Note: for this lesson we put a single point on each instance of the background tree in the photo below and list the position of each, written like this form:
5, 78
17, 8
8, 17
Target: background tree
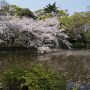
3, 4
51, 8
77, 26
50, 11
26, 12
88, 8
4, 7
15, 10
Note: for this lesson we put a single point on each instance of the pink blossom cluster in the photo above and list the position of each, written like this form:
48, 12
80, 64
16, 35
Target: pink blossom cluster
43, 35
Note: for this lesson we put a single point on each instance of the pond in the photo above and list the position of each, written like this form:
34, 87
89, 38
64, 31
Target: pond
74, 65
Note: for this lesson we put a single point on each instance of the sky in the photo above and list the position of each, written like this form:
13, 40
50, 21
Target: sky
71, 5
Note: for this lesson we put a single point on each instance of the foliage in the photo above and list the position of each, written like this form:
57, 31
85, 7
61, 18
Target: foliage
3, 4
4, 7
25, 12
39, 12
62, 13
14, 10
51, 8
50, 11
36, 78
76, 26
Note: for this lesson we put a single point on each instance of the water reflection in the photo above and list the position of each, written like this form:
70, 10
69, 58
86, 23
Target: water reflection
74, 65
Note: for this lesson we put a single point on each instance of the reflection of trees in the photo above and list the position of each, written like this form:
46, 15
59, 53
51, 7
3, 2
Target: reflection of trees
74, 67
71, 67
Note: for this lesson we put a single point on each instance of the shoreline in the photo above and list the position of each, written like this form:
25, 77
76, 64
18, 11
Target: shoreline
53, 52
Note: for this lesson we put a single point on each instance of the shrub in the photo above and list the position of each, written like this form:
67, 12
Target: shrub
36, 78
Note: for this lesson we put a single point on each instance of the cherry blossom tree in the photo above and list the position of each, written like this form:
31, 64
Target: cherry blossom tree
43, 35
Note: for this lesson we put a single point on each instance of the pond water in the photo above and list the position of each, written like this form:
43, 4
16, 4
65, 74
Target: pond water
74, 65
